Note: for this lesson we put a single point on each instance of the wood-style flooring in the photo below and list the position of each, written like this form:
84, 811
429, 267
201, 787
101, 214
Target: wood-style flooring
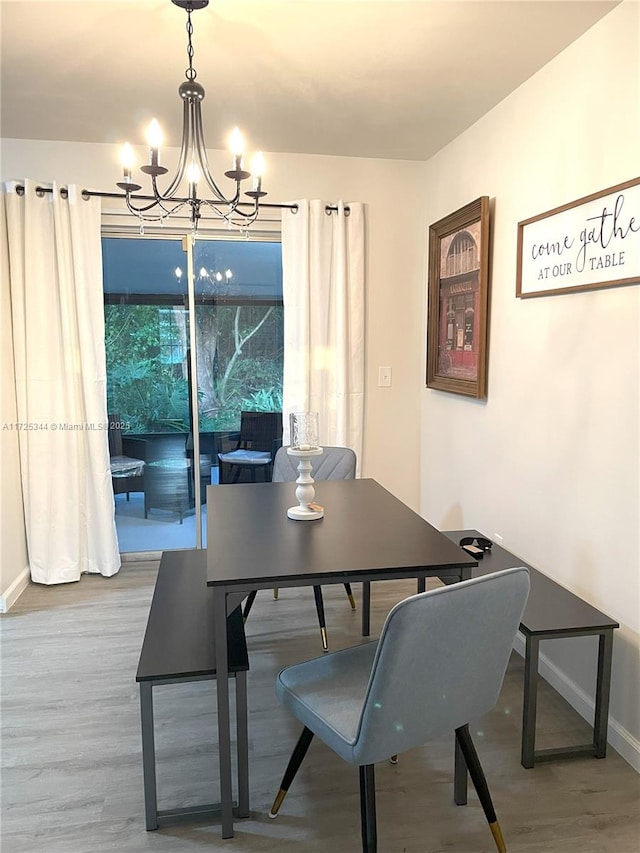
71, 754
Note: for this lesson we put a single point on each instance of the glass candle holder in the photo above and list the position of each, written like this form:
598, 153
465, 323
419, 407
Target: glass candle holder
303, 430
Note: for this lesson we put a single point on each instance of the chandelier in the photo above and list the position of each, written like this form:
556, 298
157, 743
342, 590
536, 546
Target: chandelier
192, 162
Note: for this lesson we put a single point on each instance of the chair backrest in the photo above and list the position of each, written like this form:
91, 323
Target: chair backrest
115, 436
440, 662
259, 430
336, 463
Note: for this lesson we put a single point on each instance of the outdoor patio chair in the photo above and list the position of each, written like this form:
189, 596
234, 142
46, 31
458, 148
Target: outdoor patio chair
254, 449
126, 458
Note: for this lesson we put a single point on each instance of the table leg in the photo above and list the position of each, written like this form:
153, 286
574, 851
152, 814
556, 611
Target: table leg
422, 585
530, 699
222, 691
148, 755
366, 608
243, 744
603, 686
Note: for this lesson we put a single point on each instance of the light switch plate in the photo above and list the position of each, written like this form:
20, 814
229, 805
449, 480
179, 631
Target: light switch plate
384, 377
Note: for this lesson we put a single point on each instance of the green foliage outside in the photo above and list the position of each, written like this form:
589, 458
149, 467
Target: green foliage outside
240, 354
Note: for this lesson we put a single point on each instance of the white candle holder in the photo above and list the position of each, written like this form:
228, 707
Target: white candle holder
306, 510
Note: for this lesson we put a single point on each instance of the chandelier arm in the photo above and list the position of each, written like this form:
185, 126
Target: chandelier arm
201, 152
187, 134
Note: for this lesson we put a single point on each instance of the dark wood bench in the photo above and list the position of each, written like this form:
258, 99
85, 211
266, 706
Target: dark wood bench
178, 647
552, 612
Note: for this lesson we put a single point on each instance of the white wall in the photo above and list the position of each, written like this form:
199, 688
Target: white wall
395, 276
551, 461
14, 571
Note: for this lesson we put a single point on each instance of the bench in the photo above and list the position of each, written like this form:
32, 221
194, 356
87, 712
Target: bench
179, 647
552, 612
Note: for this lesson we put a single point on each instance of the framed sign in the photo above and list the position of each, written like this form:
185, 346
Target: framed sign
458, 301
590, 243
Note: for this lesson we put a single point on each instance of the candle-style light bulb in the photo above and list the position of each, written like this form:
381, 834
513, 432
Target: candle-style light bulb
178, 273
228, 274
193, 176
203, 272
154, 134
154, 141
127, 159
218, 276
236, 144
257, 170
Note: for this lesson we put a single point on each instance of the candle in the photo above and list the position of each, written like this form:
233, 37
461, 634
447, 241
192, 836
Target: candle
236, 144
154, 141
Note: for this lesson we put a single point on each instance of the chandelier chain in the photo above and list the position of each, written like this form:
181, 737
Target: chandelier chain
190, 73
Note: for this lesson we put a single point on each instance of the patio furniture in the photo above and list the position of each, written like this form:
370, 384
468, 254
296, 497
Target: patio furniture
254, 447
127, 457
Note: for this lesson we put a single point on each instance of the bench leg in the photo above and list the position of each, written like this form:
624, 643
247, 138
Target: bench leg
603, 687
530, 698
242, 740
148, 755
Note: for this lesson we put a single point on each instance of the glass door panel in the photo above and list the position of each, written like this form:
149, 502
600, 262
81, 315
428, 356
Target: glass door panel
147, 335
239, 338
236, 300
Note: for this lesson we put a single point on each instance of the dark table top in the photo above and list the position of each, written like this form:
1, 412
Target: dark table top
179, 640
365, 531
550, 608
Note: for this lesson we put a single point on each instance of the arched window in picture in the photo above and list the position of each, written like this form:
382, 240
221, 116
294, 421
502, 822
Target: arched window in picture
463, 254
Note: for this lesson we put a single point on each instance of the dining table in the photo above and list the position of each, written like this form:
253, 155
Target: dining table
365, 535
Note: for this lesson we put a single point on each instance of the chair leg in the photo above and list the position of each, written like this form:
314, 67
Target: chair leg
297, 757
249, 604
463, 737
368, 809
317, 592
349, 592
275, 593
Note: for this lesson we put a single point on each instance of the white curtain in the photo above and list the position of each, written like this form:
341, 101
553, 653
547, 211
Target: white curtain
55, 279
323, 279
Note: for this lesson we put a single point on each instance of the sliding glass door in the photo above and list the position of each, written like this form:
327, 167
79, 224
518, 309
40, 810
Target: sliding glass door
224, 327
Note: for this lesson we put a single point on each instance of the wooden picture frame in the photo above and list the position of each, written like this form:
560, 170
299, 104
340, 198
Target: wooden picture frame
587, 244
457, 323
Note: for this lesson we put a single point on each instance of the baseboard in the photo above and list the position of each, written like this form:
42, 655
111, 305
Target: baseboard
9, 598
618, 737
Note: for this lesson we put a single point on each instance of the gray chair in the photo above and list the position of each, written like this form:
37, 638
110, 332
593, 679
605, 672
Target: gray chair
439, 664
335, 463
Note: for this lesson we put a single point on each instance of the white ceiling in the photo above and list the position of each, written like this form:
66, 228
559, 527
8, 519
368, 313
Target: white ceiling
368, 78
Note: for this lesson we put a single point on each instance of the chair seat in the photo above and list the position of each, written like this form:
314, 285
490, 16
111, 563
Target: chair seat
246, 457
125, 466
327, 694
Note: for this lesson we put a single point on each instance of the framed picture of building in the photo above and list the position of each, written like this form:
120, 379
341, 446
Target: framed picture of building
457, 325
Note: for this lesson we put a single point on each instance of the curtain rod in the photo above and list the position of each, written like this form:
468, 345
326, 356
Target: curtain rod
86, 194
